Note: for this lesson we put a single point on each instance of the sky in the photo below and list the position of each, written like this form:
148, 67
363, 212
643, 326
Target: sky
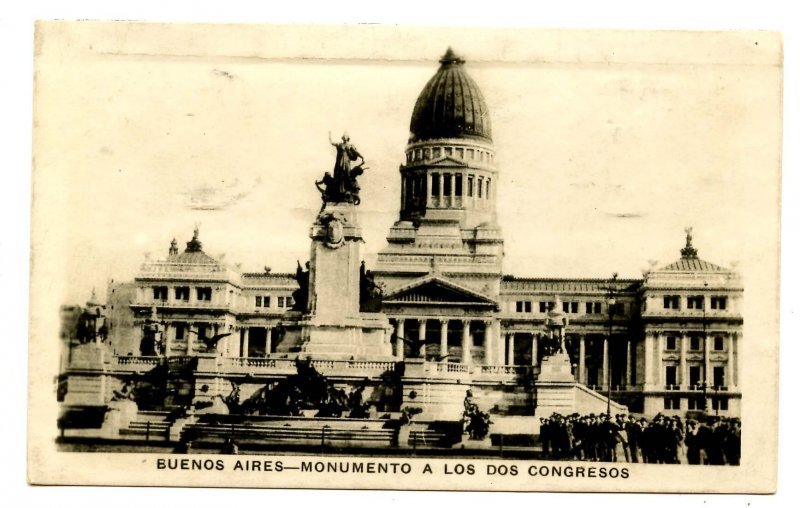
608, 144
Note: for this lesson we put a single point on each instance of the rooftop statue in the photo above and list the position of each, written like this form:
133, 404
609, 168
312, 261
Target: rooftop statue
342, 187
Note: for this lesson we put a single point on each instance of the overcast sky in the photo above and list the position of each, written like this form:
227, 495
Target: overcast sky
608, 144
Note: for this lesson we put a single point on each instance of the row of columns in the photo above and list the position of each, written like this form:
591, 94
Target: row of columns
509, 356
466, 339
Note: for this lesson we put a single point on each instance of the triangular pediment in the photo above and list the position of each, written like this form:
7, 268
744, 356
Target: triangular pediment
448, 162
435, 290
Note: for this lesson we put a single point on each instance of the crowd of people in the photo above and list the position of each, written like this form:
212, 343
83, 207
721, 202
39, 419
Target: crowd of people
624, 438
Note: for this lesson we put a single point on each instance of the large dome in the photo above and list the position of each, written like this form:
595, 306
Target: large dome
451, 105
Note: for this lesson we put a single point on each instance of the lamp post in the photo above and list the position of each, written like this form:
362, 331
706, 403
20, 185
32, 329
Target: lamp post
612, 301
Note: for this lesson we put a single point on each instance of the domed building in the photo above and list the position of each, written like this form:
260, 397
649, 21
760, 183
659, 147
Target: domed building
664, 343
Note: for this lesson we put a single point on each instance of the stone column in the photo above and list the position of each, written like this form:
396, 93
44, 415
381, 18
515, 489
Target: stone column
582, 359
443, 340
707, 363
191, 331
534, 348
628, 358
510, 349
440, 177
268, 345
731, 362
488, 335
466, 344
606, 378
246, 343
422, 334
166, 342
428, 191
684, 365
660, 366
399, 345
648, 359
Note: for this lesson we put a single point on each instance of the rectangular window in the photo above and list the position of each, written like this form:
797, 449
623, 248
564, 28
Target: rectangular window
180, 331
694, 375
289, 302
618, 309
671, 375
266, 301
542, 307
160, 293
447, 184
459, 183
480, 187
694, 302
435, 184
573, 307
426, 153
719, 343
694, 343
672, 343
280, 301
437, 152
203, 294
448, 150
719, 403
672, 302
528, 307
182, 293
719, 376
672, 402
258, 301
565, 306
488, 187
470, 185
460, 153
519, 306
695, 403
719, 302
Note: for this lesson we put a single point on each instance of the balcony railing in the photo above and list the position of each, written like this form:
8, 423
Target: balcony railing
672, 387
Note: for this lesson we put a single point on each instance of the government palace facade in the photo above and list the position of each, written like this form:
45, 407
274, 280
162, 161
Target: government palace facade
667, 342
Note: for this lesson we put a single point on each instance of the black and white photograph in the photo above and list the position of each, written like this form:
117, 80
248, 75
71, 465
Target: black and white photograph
406, 258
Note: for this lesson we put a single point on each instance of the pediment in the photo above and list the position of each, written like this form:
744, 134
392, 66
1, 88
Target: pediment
434, 290
448, 162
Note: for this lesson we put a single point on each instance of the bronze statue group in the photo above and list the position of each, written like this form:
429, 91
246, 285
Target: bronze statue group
661, 440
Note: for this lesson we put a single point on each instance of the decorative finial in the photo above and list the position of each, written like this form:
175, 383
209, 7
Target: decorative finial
450, 57
173, 247
689, 251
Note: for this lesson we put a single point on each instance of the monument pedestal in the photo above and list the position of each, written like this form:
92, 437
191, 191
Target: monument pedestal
555, 388
332, 326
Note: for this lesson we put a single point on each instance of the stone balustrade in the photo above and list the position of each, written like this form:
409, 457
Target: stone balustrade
134, 363
287, 366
